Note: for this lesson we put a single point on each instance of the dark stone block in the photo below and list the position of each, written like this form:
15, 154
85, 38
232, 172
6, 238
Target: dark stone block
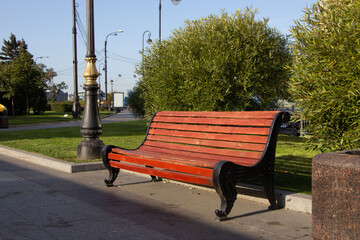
336, 195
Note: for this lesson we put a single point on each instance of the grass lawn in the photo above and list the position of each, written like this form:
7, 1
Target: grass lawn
293, 164
48, 116
292, 169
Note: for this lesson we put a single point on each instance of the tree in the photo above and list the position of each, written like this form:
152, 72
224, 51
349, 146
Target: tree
326, 73
19, 76
24, 81
136, 102
225, 62
12, 48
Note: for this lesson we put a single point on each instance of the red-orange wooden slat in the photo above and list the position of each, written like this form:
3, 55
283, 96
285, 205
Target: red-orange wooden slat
165, 174
163, 164
215, 129
179, 157
210, 136
254, 114
224, 152
200, 159
209, 143
215, 121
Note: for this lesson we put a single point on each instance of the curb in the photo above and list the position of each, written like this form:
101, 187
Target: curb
51, 162
288, 200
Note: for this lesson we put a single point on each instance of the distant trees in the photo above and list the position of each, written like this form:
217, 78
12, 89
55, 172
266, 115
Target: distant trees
22, 81
326, 73
136, 102
225, 62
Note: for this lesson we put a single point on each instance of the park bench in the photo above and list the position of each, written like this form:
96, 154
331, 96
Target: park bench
215, 149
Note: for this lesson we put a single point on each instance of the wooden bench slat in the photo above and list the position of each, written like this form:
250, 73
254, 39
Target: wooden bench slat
213, 129
210, 136
165, 174
252, 115
215, 151
206, 172
208, 143
182, 157
215, 121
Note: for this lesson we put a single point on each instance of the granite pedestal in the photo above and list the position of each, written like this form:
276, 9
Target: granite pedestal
336, 195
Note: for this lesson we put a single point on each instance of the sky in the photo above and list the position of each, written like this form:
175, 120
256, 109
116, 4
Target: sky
46, 26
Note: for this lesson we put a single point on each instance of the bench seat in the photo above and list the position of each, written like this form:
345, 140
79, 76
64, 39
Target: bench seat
215, 149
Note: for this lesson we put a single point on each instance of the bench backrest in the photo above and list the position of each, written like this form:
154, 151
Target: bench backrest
240, 137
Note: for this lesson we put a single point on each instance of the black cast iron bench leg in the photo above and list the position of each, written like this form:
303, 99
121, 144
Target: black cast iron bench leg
224, 178
113, 172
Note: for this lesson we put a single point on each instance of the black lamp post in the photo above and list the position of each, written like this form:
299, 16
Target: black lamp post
90, 147
99, 97
110, 34
112, 94
175, 2
148, 41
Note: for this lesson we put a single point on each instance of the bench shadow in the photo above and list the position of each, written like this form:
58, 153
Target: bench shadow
248, 214
132, 183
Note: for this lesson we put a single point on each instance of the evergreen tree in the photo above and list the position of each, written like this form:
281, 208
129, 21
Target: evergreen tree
11, 48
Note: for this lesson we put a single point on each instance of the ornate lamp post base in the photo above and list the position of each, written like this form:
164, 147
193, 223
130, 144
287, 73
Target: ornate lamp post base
90, 147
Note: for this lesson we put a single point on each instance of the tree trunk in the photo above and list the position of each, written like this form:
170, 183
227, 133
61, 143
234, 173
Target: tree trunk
13, 107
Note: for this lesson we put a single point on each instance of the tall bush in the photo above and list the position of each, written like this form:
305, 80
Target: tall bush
325, 72
227, 62
61, 107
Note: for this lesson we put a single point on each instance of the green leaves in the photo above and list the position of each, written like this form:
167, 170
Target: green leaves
325, 73
225, 62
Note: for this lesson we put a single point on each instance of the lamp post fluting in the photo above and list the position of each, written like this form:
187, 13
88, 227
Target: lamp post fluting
90, 147
110, 34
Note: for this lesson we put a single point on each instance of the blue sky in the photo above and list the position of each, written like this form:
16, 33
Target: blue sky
46, 26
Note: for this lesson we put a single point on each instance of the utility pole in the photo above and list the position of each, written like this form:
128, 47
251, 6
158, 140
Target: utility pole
76, 109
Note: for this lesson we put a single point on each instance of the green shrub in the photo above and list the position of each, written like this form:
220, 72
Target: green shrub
325, 81
61, 107
225, 62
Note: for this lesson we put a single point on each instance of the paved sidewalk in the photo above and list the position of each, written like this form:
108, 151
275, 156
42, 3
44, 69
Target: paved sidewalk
41, 203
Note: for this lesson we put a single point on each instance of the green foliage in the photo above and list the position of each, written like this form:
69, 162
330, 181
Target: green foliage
11, 48
61, 107
225, 62
326, 70
136, 102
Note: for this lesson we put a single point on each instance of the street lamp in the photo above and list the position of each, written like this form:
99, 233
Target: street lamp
112, 93
175, 2
41, 58
110, 34
90, 147
148, 41
99, 80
